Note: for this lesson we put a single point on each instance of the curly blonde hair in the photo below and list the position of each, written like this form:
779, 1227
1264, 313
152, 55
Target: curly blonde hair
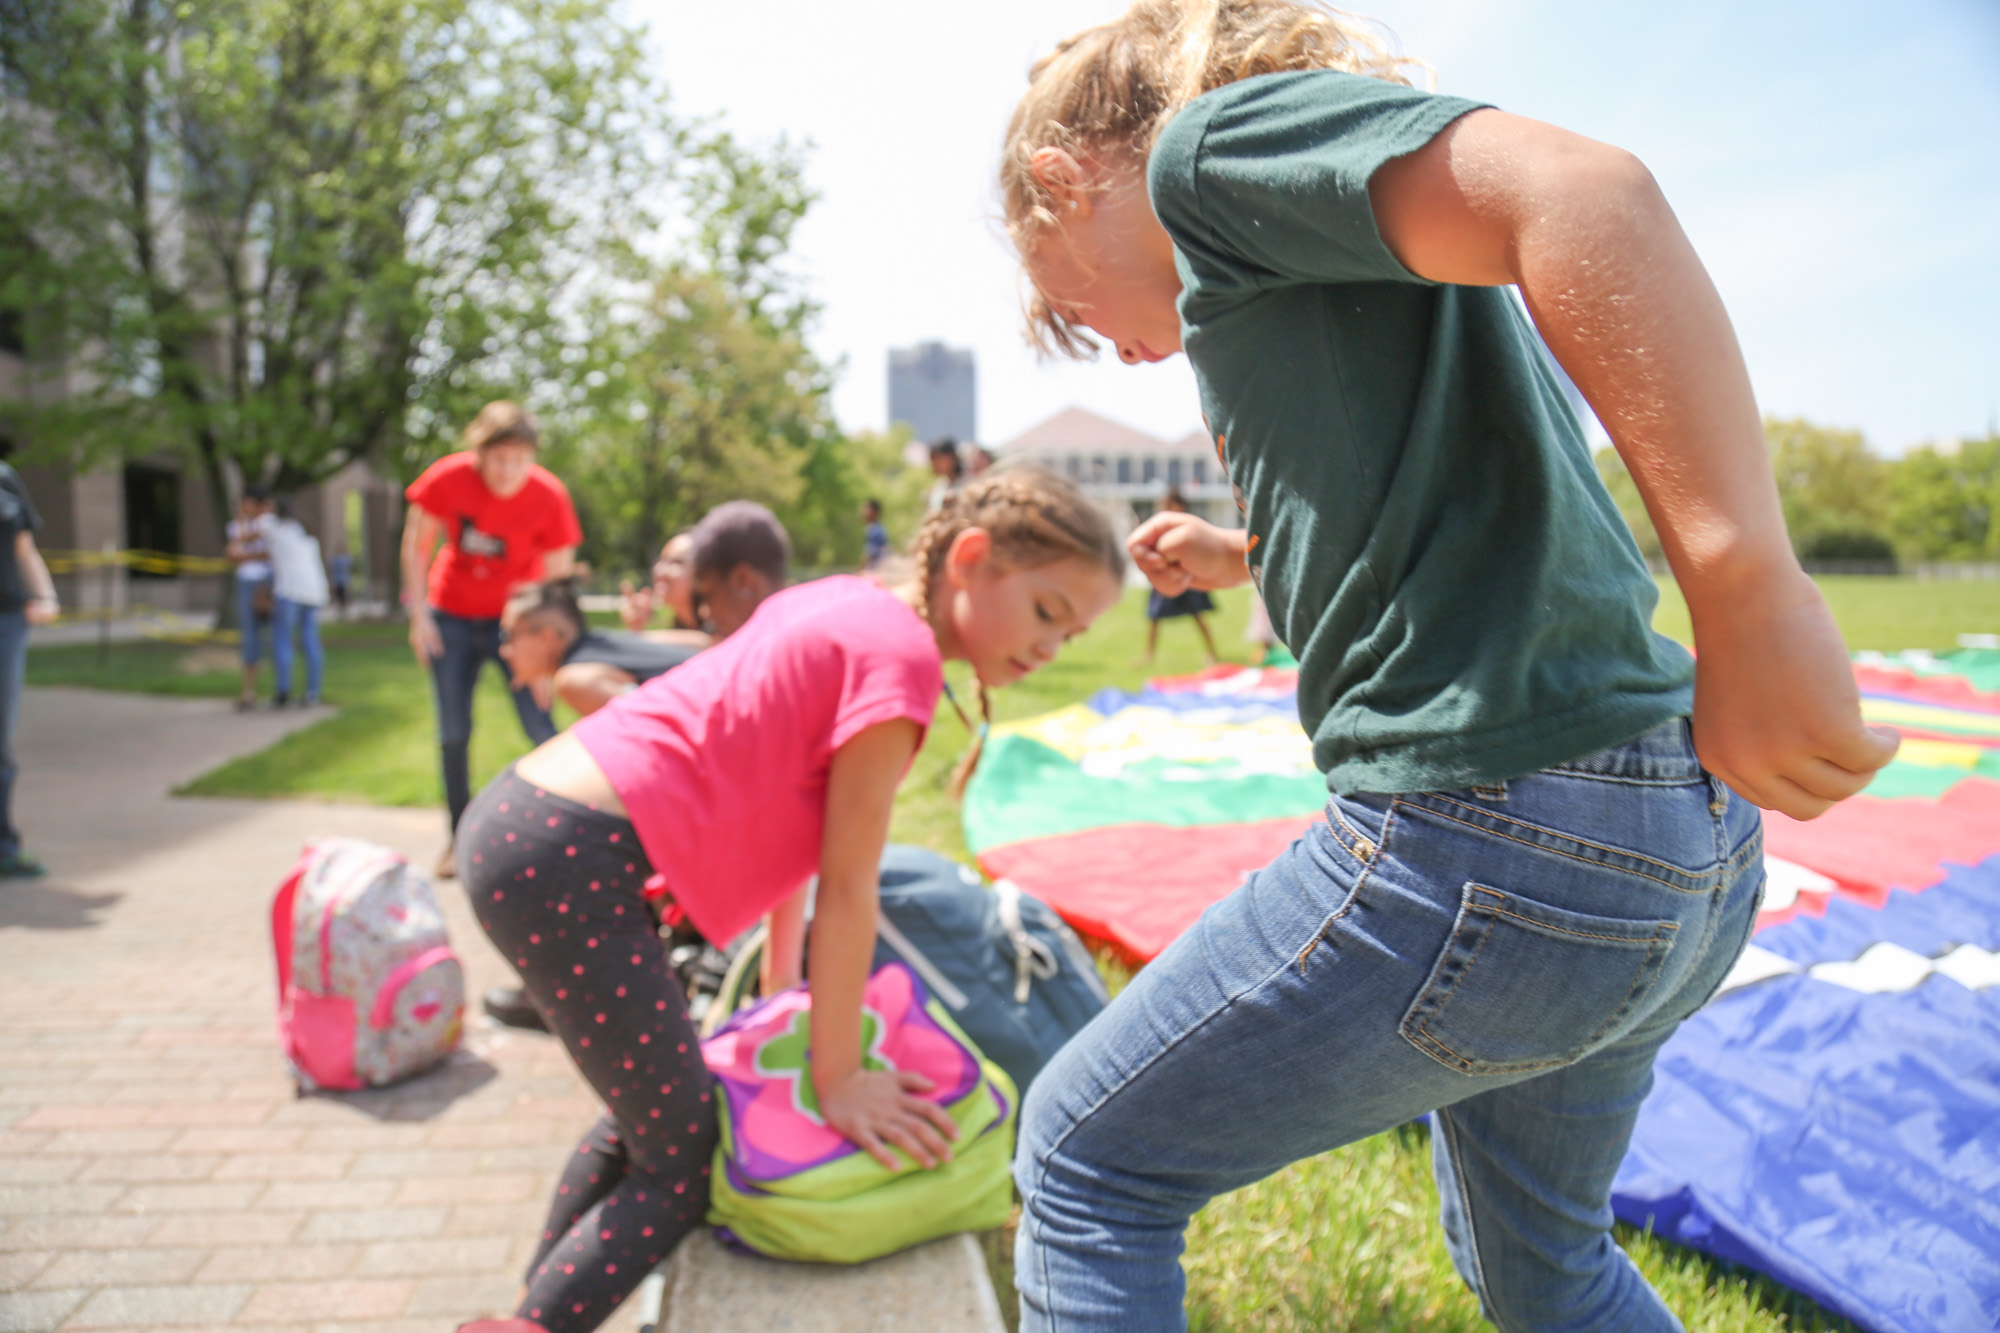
1108, 91
1033, 517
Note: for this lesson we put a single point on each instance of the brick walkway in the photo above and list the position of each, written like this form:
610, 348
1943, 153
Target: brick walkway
156, 1169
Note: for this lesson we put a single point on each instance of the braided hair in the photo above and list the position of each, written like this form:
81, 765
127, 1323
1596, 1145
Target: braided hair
1033, 517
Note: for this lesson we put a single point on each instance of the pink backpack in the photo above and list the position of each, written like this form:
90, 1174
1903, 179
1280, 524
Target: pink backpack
369, 990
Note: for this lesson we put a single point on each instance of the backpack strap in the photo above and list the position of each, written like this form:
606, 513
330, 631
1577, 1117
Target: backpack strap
384, 1008
281, 920
1033, 958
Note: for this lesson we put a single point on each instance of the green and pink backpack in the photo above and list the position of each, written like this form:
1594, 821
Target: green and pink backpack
788, 1185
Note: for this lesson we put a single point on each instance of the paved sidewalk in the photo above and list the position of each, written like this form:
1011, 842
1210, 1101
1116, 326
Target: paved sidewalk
156, 1170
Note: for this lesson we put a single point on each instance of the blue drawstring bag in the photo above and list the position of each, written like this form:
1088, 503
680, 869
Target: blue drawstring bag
1011, 973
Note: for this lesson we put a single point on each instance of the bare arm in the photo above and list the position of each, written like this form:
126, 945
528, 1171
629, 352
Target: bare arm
559, 563
588, 686
687, 638
42, 604
785, 947
874, 1109
422, 530
1626, 306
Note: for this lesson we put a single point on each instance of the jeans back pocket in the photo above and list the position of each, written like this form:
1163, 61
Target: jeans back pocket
1522, 986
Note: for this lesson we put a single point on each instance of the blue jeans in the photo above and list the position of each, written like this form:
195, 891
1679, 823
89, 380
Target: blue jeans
246, 616
468, 646
13, 670
301, 620
1510, 957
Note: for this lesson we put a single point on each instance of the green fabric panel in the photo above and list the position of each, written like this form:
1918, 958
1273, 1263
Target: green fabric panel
1906, 779
1981, 666
1023, 789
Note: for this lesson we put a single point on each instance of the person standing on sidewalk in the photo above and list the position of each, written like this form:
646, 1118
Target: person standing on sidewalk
298, 576
27, 597
255, 602
503, 520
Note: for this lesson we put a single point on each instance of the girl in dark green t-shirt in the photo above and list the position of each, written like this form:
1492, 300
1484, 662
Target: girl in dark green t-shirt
1542, 850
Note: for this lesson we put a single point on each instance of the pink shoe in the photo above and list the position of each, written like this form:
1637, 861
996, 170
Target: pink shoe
502, 1326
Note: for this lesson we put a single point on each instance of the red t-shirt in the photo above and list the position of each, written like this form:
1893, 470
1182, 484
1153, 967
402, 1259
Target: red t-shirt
492, 546
722, 763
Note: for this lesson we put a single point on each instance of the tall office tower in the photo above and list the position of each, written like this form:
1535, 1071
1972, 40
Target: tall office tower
934, 389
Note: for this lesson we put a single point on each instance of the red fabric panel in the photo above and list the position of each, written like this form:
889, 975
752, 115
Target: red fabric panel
1138, 886
1951, 691
1870, 844
1268, 678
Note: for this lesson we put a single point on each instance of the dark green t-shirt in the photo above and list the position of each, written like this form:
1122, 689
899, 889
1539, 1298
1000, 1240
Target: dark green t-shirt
1427, 526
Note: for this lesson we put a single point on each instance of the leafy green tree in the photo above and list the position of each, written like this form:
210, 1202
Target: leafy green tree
1942, 504
283, 235
692, 383
1832, 487
1625, 494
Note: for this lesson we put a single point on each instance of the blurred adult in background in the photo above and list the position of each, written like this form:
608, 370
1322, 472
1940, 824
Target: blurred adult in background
298, 581
977, 460
340, 568
672, 589
255, 601
949, 471
482, 522
27, 597
874, 537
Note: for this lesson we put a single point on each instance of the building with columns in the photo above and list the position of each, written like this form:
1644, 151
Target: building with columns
1127, 470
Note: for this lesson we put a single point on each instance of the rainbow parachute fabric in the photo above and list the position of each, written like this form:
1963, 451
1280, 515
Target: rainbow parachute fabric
1831, 1118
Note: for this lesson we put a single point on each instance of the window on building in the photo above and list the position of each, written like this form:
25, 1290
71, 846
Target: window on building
1124, 472
1151, 471
152, 509
1200, 467
1100, 468
1173, 472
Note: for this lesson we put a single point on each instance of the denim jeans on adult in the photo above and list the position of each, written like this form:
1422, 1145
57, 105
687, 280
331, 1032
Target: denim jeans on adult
468, 646
13, 668
246, 617
297, 620
1510, 957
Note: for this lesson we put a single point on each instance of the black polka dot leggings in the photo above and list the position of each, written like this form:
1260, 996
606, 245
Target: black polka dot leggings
556, 886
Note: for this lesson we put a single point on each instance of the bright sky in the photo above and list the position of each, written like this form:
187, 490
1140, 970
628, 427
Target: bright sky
1837, 165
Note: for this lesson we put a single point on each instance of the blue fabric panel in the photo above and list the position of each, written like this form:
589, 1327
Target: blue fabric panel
1846, 1144
1228, 708
1963, 908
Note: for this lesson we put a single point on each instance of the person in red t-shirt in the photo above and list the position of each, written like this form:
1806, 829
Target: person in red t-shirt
503, 521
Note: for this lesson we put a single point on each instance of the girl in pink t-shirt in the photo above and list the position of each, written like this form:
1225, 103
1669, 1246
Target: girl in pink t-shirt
713, 794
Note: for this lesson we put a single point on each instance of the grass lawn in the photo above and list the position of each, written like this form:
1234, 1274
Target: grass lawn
1348, 1240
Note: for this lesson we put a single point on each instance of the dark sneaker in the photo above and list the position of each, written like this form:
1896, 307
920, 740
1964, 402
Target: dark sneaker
511, 1005
20, 865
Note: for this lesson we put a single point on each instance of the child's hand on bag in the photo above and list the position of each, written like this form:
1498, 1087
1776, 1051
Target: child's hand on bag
1777, 715
875, 1109
1177, 551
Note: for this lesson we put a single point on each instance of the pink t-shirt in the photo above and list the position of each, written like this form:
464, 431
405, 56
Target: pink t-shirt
722, 762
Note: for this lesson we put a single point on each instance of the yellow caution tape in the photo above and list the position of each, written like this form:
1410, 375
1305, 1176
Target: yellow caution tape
158, 563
